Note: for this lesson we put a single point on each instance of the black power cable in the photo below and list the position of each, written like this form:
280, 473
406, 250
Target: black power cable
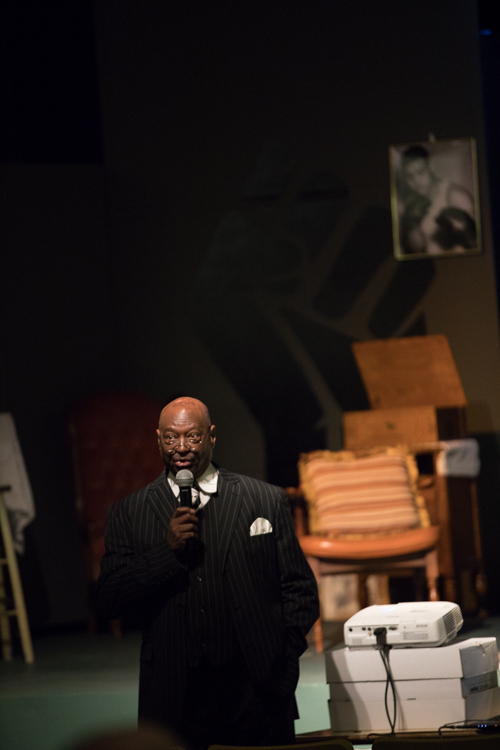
384, 649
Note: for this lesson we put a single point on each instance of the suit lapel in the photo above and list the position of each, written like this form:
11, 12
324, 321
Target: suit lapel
228, 507
162, 501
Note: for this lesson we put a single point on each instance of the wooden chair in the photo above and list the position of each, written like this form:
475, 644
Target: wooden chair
384, 530
115, 452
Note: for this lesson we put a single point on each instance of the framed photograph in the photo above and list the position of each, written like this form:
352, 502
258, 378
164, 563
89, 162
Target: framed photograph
435, 199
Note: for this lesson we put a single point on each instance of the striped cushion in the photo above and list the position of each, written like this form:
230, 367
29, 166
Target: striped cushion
361, 493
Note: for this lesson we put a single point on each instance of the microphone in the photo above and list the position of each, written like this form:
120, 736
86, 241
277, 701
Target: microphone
185, 480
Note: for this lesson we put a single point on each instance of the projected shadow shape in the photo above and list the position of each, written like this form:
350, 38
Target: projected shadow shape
404, 291
271, 174
366, 247
242, 254
265, 375
317, 208
332, 354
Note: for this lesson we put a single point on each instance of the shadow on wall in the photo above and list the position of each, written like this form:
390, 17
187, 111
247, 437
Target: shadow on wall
276, 284
488, 484
35, 589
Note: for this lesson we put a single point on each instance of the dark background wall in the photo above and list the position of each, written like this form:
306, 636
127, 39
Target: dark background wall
224, 229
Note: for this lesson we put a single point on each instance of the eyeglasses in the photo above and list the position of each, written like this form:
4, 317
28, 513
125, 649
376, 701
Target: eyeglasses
194, 438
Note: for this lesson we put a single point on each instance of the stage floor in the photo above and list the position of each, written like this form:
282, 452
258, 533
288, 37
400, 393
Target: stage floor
80, 684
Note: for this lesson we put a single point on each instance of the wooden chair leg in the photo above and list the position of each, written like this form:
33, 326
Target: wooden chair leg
419, 584
363, 592
317, 629
318, 636
432, 574
17, 589
450, 589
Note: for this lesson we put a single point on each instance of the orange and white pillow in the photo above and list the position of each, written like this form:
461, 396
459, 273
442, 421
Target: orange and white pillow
361, 493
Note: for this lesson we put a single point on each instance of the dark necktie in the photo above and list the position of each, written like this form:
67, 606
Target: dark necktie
195, 503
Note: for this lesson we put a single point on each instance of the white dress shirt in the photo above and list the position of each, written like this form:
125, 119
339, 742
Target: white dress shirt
207, 484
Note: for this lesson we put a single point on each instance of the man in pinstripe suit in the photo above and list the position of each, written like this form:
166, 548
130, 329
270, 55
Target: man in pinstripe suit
225, 593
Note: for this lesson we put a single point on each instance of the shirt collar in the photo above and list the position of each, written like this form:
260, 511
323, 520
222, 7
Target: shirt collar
207, 482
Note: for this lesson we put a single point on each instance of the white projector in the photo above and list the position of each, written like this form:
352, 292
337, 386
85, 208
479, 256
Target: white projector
407, 624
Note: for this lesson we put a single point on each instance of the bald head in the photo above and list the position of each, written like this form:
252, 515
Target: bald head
186, 436
189, 405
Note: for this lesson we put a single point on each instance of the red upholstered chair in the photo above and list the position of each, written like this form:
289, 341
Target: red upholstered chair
361, 512
115, 452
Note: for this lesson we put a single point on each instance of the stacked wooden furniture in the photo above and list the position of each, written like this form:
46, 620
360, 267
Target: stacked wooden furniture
417, 400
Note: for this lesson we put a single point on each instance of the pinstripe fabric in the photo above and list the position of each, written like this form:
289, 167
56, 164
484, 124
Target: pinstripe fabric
267, 584
208, 613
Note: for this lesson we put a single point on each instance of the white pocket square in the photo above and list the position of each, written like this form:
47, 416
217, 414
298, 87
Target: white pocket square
260, 526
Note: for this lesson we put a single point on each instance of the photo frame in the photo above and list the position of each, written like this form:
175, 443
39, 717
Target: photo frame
435, 199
